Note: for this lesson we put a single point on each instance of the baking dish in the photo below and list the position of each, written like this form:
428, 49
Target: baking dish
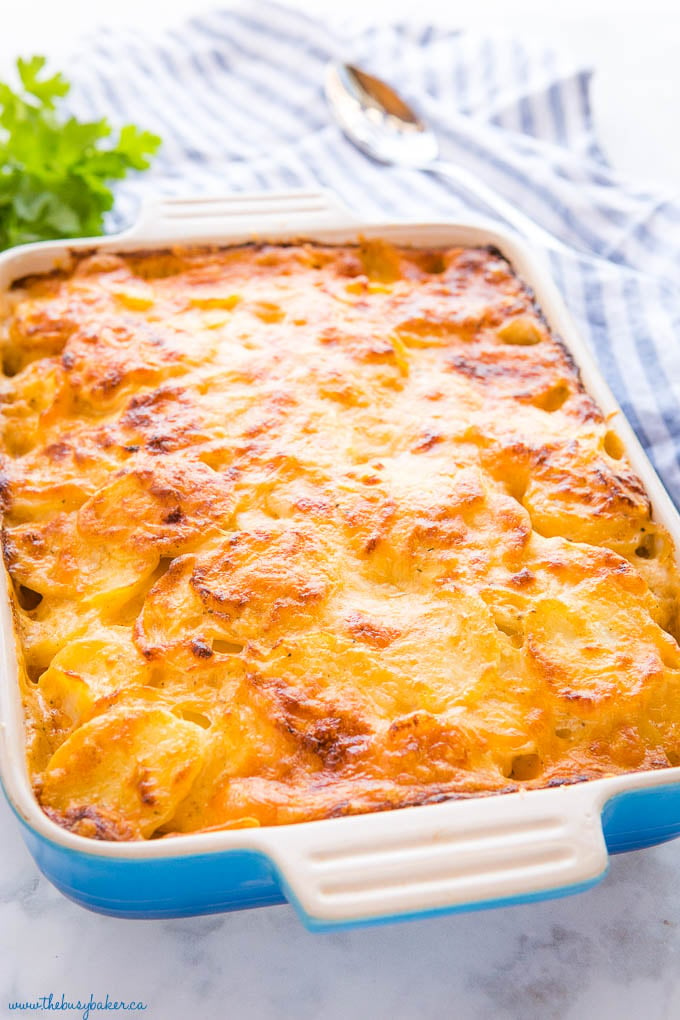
454, 855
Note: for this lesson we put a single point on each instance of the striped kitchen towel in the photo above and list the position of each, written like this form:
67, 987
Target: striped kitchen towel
237, 97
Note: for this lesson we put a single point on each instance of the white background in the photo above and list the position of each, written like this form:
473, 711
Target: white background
612, 953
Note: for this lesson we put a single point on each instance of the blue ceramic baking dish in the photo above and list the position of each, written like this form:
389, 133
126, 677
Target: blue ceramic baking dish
457, 855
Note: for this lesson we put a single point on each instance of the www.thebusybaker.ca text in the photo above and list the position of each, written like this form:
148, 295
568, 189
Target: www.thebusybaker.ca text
47, 1003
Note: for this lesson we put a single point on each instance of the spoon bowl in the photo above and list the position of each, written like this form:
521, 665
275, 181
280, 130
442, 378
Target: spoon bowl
376, 119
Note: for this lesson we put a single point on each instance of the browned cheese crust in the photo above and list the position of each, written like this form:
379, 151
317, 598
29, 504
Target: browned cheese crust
296, 532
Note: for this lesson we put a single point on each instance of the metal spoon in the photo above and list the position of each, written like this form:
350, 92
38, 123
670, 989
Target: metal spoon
378, 121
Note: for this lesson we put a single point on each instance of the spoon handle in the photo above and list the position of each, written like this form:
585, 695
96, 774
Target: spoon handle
510, 213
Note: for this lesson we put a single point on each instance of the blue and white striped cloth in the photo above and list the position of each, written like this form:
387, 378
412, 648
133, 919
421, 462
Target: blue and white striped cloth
237, 97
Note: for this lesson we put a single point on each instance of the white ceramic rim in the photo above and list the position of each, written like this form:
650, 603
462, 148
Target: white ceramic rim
422, 858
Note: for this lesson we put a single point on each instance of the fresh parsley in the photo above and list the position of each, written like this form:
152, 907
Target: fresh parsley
55, 170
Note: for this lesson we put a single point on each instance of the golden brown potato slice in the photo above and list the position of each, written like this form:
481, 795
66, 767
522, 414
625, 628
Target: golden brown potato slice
134, 763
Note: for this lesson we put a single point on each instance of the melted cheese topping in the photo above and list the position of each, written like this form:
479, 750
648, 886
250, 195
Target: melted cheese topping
296, 532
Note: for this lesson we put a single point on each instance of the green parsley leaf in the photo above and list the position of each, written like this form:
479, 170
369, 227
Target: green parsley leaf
55, 171
47, 90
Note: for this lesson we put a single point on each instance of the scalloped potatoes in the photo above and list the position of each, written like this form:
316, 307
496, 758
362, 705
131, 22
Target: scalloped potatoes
300, 531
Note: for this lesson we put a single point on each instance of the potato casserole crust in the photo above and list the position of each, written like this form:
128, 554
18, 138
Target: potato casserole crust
298, 531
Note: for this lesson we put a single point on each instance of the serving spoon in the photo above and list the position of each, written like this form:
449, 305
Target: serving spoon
378, 121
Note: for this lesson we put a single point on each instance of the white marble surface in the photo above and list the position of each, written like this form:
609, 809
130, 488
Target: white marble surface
613, 952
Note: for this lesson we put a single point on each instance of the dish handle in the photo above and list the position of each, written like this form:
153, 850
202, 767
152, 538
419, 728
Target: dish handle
202, 218
532, 845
